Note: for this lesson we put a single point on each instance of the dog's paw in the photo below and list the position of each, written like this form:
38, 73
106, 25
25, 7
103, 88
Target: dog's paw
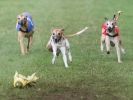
66, 66
53, 61
108, 52
119, 62
22, 54
123, 51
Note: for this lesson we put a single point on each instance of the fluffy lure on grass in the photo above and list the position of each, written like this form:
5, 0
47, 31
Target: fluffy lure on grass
21, 81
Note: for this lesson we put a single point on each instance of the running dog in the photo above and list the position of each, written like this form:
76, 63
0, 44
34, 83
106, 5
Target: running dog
58, 42
25, 28
111, 36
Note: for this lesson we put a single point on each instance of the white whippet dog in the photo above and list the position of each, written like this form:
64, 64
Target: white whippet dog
59, 43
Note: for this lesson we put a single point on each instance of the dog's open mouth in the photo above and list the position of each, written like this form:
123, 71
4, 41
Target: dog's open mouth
110, 29
22, 22
56, 40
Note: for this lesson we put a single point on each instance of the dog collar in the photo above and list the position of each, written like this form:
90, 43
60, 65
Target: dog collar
113, 35
20, 29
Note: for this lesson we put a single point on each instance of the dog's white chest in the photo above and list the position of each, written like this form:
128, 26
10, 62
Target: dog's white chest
61, 43
112, 33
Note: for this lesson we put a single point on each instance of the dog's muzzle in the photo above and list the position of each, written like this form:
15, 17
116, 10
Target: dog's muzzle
56, 40
110, 29
22, 22
19, 22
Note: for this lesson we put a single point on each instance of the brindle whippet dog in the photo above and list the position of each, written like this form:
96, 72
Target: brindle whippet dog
25, 28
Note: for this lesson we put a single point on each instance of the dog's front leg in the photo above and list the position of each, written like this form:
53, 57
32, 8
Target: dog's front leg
27, 50
121, 47
68, 51
117, 45
21, 41
102, 42
63, 51
30, 41
107, 42
69, 55
54, 53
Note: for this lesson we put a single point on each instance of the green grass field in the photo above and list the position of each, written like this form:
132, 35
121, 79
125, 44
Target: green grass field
91, 76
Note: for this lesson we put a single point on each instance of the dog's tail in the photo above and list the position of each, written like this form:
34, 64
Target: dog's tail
78, 33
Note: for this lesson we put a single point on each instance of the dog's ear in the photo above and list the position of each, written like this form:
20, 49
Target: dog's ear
106, 18
62, 31
114, 17
16, 74
18, 17
51, 30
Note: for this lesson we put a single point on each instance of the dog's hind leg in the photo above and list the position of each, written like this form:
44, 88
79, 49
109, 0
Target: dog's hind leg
63, 51
122, 50
69, 56
117, 45
68, 51
121, 47
58, 52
